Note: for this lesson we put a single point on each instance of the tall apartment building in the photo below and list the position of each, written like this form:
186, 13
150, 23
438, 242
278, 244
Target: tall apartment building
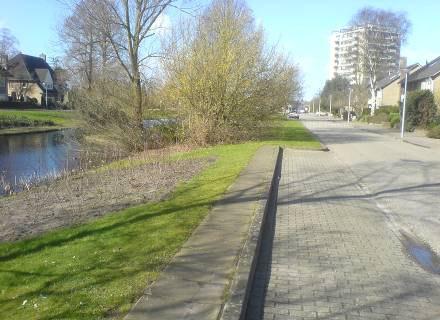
348, 45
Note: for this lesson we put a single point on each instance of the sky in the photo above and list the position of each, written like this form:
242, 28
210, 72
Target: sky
300, 28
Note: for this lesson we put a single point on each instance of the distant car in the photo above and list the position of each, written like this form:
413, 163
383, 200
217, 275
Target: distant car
322, 114
301, 111
293, 115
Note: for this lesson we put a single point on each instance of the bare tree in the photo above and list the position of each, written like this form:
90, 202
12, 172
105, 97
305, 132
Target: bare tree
360, 97
397, 21
8, 43
383, 32
129, 26
80, 39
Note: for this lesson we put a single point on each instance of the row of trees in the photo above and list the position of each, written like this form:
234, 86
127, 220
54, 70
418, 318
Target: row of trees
338, 91
214, 69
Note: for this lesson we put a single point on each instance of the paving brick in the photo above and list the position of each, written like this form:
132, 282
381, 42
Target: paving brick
332, 253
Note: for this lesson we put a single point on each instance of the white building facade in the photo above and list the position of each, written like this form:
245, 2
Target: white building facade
347, 47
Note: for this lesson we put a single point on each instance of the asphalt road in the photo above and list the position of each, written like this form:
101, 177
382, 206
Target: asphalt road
402, 178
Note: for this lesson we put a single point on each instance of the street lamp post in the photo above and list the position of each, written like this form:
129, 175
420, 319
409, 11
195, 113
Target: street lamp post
349, 105
402, 127
45, 87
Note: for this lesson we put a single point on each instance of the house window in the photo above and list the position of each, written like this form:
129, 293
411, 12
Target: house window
427, 85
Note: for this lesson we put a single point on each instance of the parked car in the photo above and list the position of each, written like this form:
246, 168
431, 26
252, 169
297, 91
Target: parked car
293, 115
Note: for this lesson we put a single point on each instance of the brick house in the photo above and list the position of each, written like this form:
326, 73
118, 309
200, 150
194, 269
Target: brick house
388, 89
426, 78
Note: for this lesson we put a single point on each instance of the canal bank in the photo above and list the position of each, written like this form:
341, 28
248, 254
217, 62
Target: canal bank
18, 121
80, 196
26, 130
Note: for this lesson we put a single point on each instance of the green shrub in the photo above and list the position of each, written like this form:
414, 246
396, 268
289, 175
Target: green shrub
388, 109
435, 121
378, 118
366, 112
163, 135
421, 109
364, 118
394, 119
434, 132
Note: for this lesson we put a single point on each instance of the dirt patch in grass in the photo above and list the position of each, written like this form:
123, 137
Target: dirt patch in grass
83, 196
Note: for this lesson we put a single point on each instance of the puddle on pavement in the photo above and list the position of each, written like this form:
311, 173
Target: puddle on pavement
421, 253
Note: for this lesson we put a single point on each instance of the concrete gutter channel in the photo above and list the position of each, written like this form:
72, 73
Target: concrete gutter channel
211, 276
235, 306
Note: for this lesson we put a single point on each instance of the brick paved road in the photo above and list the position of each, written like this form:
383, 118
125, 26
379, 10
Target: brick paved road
333, 254
404, 179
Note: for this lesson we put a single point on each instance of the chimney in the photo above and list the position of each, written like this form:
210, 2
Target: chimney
43, 56
402, 63
402, 66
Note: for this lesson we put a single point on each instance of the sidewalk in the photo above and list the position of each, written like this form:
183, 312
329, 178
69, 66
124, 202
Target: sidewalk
333, 254
196, 283
417, 138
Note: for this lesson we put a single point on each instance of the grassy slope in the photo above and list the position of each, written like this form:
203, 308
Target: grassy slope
100, 268
62, 119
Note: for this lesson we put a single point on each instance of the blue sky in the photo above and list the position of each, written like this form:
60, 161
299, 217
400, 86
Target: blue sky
301, 28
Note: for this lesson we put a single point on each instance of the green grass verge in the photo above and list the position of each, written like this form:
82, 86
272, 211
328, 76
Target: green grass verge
99, 269
60, 119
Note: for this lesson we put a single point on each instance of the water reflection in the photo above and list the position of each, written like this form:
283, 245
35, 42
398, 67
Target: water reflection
37, 155
421, 253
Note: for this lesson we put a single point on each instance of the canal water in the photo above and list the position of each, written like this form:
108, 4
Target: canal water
35, 156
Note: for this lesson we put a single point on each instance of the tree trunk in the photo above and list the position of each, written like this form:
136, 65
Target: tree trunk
138, 114
138, 102
373, 105
90, 67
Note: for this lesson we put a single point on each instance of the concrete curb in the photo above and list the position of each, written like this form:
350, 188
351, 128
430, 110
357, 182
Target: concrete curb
211, 266
236, 304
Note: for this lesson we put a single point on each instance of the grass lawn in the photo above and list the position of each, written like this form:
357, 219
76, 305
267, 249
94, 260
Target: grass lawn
58, 118
99, 269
